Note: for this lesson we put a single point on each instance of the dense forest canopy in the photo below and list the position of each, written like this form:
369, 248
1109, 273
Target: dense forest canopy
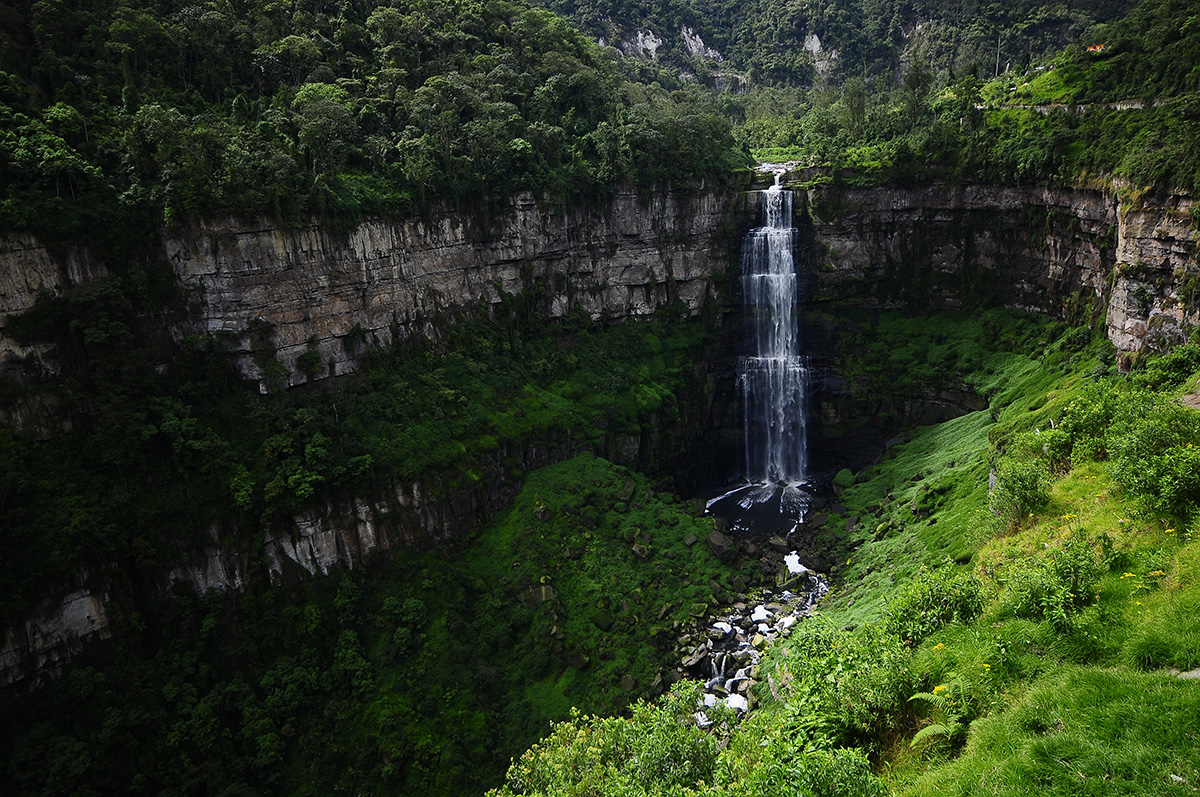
320, 109
768, 41
117, 116
1126, 108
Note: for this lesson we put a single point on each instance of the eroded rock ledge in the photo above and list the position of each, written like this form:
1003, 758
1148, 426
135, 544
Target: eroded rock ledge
1109, 253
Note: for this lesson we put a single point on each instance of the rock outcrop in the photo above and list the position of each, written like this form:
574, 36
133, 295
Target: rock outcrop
1105, 254
274, 295
311, 290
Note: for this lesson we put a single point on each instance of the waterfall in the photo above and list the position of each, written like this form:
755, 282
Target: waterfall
773, 378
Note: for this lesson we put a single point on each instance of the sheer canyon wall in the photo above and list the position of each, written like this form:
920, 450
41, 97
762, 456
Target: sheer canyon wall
1106, 255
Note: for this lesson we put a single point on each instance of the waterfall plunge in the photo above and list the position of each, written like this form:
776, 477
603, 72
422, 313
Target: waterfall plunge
774, 378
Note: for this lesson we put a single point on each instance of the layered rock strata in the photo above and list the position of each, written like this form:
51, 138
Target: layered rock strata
1108, 254
285, 293
273, 295
276, 295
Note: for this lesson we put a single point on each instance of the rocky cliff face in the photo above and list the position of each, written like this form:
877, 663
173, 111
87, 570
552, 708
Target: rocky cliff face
274, 295
1106, 254
277, 293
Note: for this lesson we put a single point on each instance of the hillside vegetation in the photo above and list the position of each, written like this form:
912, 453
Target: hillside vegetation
768, 43
123, 115
1131, 111
1023, 640
1020, 611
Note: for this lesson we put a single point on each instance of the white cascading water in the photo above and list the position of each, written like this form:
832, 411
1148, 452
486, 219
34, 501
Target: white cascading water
774, 382
774, 378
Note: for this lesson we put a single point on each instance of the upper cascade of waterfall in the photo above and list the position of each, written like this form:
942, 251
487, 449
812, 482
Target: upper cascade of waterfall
773, 377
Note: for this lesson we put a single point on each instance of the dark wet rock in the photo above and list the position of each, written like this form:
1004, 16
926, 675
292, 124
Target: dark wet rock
577, 660
695, 657
602, 619
533, 596
627, 489
722, 547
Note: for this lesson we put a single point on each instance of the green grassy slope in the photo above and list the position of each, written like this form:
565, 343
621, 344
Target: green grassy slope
1029, 641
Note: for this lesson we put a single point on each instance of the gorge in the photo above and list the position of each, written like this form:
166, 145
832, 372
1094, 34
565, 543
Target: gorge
1075, 255
554, 397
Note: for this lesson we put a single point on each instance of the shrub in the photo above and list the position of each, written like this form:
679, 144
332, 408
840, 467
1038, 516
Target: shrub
1086, 420
1021, 488
1052, 447
1155, 444
657, 750
842, 688
786, 773
1169, 369
1057, 583
933, 599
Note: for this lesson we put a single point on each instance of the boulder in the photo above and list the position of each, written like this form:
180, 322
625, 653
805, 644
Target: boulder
722, 547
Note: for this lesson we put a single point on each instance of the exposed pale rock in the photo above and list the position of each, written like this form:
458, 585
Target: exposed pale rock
1053, 250
57, 630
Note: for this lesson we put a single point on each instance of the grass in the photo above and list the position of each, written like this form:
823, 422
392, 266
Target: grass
1074, 693
1082, 731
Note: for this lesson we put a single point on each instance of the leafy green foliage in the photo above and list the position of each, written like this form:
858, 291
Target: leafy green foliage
1021, 488
840, 689
170, 112
1055, 584
660, 751
1129, 111
657, 751
951, 704
423, 675
933, 598
1155, 447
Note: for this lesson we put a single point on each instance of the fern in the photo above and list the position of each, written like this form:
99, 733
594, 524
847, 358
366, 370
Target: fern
937, 729
951, 706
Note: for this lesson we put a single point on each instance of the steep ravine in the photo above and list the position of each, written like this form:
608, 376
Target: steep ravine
1105, 254
273, 295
